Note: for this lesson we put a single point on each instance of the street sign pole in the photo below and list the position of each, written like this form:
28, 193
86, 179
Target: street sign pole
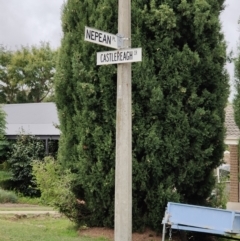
123, 171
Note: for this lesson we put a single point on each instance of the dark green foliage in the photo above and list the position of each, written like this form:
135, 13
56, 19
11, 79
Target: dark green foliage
52, 148
2, 122
4, 144
24, 151
179, 94
5, 178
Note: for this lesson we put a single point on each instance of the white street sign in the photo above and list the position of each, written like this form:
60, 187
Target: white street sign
119, 56
102, 38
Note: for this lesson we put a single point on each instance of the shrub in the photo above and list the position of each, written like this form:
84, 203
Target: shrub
46, 174
55, 187
5, 179
24, 151
7, 197
5, 175
219, 196
4, 144
52, 148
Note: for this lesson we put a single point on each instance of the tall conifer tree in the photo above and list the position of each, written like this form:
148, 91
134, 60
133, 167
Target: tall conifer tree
179, 94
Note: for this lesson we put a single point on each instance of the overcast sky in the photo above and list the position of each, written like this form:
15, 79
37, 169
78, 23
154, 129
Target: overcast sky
28, 22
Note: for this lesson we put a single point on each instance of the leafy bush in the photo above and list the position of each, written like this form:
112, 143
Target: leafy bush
4, 144
4, 166
219, 196
52, 148
4, 175
55, 187
46, 174
7, 197
4, 149
5, 179
24, 151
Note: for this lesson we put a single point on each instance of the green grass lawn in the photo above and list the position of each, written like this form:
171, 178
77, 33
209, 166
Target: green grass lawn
25, 208
40, 228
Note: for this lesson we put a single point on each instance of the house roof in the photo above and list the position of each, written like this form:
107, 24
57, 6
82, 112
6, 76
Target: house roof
232, 130
41, 119
38, 119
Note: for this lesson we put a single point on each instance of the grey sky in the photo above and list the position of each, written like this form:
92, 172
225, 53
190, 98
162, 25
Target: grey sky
231, 29
28, 22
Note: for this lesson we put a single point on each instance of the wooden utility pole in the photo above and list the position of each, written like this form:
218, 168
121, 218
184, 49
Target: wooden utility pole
123, 56
123, 171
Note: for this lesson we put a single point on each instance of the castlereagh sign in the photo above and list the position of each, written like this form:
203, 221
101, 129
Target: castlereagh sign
119, 56
102, 38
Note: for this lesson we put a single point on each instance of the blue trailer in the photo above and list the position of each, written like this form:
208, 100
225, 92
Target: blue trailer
201, 219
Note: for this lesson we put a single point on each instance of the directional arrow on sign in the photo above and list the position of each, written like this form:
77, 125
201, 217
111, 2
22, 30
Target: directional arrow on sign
103, 38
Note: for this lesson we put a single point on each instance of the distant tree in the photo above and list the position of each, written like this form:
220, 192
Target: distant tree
236, 101
8, 85
27, 74
179, 93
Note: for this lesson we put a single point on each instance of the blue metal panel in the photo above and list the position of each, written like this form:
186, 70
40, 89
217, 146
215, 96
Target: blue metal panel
194, 229
202, 219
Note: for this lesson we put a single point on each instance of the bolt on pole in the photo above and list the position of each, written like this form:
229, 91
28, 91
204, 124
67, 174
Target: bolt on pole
123, 171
